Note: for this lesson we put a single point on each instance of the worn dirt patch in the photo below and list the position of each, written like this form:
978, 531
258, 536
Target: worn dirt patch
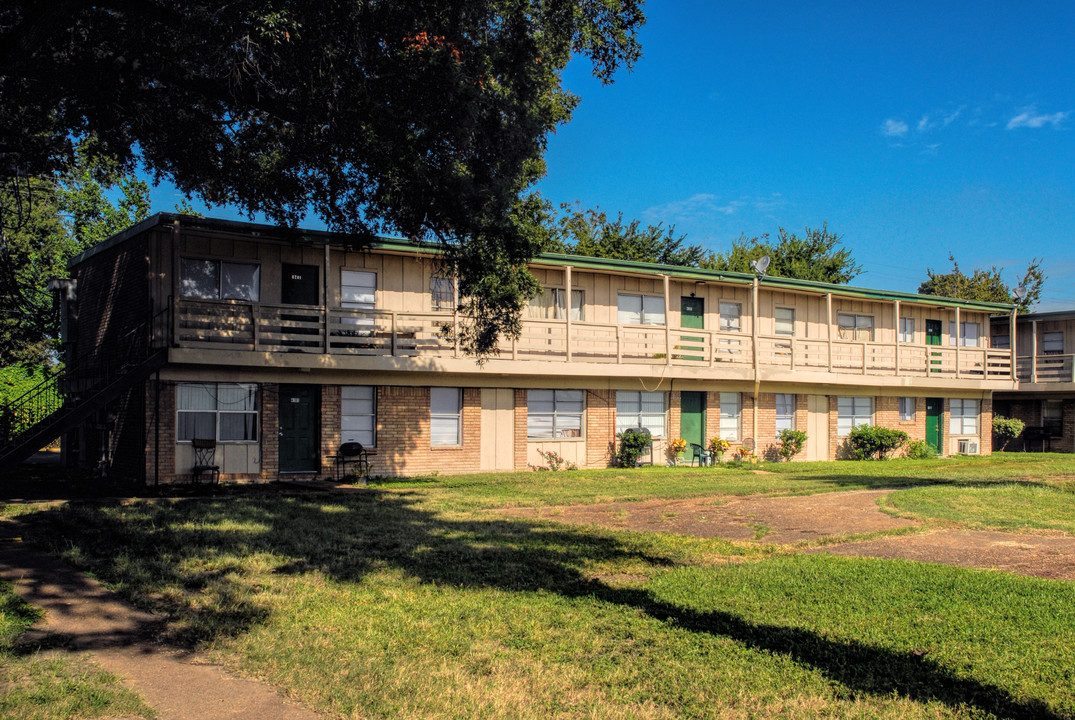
771, 519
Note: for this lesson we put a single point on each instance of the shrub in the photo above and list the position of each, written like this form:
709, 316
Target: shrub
920, 450
1007, 428
555, 461
632, 442
791, 443
868, 442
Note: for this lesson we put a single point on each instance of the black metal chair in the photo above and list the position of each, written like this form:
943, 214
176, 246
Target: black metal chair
205, 460
354, 453
703, 456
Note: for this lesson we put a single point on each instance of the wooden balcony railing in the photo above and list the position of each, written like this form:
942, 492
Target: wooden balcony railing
1046, 369
343, 331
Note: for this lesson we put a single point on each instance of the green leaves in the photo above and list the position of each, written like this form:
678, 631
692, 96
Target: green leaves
985, 285
817, 256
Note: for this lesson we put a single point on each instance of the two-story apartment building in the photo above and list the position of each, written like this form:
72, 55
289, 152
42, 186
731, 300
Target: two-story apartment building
281, 345
1044, 397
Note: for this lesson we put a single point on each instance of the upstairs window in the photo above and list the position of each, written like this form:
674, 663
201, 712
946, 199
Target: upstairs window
730, 316
906, 330
442, 291
784, 321
1002, 342
551, 304
1052, 343
855, 327
219, 280
554, 413
969, 332
358, 289
225, 412
640, 309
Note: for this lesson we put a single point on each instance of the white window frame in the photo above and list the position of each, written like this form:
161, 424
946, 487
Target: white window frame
1047, 417
213, 389
560, 422
851, 326
651, 309
785, 412
784, 325
442, 294
366, 322
731, 316
907, 409
1052, 343
964, 341
551, 305
626, 419
907, 329
455, 416
962, 416
351, 402
731, 416
852, 412
220, 293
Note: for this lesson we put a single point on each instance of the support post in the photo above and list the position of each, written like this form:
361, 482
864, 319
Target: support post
324, 313
959, 341
1033, 351
897, 370
828, 332
667, 324
1012, 344
567, 291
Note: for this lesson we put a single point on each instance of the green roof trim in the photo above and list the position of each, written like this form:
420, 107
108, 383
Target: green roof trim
558, 259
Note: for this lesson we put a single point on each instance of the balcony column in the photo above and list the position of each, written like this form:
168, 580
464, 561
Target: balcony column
567, 291
959, 340
667, 324
828, 331
455, 319
754, 345
897, 337
324, 307
1033, 351
1012, 344
174, 340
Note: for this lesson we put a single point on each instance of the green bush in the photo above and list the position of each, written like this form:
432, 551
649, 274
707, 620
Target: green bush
633, 442
869, 442
920, 450
791, 443
1007, 428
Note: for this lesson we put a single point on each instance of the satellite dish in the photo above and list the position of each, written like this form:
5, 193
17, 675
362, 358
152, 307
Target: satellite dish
760, 265
1019, 292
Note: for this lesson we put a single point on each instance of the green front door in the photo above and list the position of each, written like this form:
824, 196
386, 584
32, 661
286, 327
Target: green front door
934, 417
933, 337
692, 315
300, 429
692, 420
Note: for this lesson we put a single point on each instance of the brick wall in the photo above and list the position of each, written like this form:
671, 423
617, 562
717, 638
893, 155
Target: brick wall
600, 427
521, 416
160, 402
403, 434
270, 426
331, 407
746, 421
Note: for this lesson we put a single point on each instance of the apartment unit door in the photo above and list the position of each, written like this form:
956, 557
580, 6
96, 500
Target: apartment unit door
692, 420
934, 421
933, 337
692, 315
817, 431
300, 428
498, 429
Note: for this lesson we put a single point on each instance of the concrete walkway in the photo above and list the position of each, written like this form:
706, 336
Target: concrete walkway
120, 639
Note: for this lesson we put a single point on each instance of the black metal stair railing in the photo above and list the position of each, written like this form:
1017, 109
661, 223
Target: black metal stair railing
67, 388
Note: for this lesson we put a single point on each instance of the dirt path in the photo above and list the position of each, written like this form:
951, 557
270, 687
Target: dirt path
788, 520
179, 685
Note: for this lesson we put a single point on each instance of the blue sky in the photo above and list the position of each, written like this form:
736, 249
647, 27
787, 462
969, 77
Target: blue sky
912, 129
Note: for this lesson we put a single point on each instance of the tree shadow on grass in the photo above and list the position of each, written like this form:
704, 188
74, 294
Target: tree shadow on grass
198, 546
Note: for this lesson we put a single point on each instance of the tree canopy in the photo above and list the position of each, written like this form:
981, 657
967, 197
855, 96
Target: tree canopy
426, 118
592, 233
985, 285
817, 255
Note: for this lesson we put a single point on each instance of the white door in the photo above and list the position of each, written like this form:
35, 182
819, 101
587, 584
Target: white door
498, 429
817, 431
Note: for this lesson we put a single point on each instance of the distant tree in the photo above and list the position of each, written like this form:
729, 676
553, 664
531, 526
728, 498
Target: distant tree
591, 233
985, 285
817, 255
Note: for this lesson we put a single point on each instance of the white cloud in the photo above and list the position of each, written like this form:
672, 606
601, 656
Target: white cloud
706, 207
924, 124
951, 117
894, 128
1030, 119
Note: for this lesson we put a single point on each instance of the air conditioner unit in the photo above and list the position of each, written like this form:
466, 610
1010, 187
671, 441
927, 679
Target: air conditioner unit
968, 447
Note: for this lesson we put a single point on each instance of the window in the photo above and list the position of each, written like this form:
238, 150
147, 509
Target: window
1052, 343
358, 415
785, 321
554, 413
1052, 416
730, 314
907, 409
969, 332
855, 327
640, 409
219, 280
445, 417
1002, 342
906, 330
730, 408
442, 291
551, 305
853, 412
640, 310
785, 412
963, 417
225, 412
358, 290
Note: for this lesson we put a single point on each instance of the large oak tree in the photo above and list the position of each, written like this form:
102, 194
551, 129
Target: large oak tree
426, 118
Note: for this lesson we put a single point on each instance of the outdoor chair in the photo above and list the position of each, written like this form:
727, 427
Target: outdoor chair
354, 453
704, 457
205, 460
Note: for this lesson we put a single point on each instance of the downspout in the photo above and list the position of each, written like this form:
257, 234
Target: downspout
1012, 343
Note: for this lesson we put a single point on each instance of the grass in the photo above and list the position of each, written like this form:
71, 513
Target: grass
1005, 506
40, 686
419, 599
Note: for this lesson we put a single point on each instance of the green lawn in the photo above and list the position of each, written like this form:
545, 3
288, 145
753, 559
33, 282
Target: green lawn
420, 599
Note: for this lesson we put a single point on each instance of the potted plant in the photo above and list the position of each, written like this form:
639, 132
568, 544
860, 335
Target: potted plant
718, 446
678, 446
